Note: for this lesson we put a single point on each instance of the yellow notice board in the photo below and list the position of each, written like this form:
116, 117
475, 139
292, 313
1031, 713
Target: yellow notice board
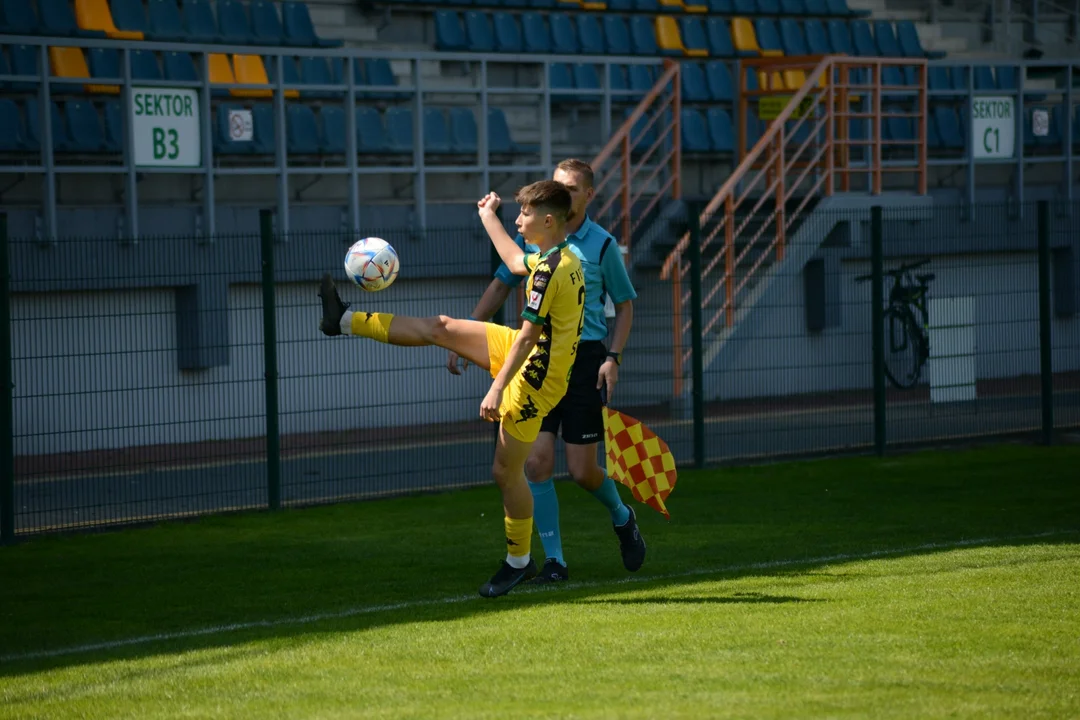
770, 107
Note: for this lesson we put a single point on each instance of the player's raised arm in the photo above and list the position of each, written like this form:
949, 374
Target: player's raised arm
508, 250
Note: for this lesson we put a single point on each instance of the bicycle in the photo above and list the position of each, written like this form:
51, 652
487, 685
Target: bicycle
907, 340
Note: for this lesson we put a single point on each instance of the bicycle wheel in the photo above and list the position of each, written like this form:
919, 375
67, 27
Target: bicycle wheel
905, 350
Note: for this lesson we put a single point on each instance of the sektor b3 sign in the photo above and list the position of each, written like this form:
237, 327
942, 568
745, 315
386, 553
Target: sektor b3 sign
166, 127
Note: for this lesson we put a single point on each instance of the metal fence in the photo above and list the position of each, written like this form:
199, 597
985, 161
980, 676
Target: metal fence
175, 377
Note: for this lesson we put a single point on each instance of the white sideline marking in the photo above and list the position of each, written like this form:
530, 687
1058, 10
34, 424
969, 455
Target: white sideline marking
369, 609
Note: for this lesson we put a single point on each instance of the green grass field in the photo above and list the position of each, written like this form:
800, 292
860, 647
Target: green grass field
935, 584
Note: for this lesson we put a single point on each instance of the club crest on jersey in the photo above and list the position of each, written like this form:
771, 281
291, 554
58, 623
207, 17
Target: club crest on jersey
540, 282
534, 300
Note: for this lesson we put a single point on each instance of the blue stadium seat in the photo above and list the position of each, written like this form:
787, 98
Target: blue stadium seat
948, 127
17, 17
104, 63
84, 126
464, 138
840, 38
199, 22
129, 15
694, 86
290, 75
721, 7
590, 34
641, 80
535, 33
564, 39
745, 7
910, 44
984, 78
817, 8
863, 40
57, 18
12, 137
377, 71
542, 3
768, 7
436, 131
499, 139
718, 33
938, 77
507, 33
792, 7
164, 22
144, 65
263, 119
316, 71
223, 142
301, 130
693, 34
560, 77
616, 35
399, 130
641, 137
718, 77
721, 132
901, 129
647, 6
792, 38
180, 66
643, 36
449, 32
767, 36
753, 128
586, 78
266, 28
370, 131
1006, 77
114, 126
960, 77
35, 131
332, 130
817, 40
479, 36
885, 36
617, 81
234, 26
621, 6
299, 30
840, 9
694, 132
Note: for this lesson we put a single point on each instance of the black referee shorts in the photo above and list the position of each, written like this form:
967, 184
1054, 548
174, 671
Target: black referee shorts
579, 414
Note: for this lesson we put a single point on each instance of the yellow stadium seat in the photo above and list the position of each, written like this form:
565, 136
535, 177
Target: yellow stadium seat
95, 15
583, 4
670, 40
220, 70
681, 6
69, 62
251, 71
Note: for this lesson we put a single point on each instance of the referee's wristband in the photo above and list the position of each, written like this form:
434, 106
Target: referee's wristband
617, 357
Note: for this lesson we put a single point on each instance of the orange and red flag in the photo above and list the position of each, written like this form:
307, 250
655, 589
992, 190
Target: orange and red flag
639, 459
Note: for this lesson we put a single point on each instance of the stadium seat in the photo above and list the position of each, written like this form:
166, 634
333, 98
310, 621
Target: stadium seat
378, 73
643, 36
144, 65
768, 7
647, 6
721, 133
399, 130
984, 78
696, 6
641, 80
479, 36
35, 131
621, 6
464, 138
642, 135
299, 30
57, 18
840, 38
332, 130
290, 74
95, 15
12, 137
104, 63
1006, 77
719, 81
768, 39
315, 71
17, 17
862, 39
560, 77
817, 40
718, 33
616, 35
69, 62
694, 36
564, 39
199, 22
129, 15
791, 38
263, 119
164, 22
449, 32
910, 45
590, 34
114, 126
721, 7
535, 33
948, 127
499, 139
84, 126
301, 130
742, 32
840, 8
586, 78
817, 8
507, 33
939, 78
370, 131
670, 41
694, 86
744, 7
180, 66
618, 83
266, 28
885, 37
234, 25
436, 132
792, 7
249, 70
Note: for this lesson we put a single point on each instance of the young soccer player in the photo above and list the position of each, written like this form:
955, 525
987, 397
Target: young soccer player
580, 413
530, 366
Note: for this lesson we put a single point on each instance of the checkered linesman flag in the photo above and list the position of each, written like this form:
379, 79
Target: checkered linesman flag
639, 459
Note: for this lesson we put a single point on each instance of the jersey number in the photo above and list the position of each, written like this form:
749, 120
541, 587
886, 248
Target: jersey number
581, 302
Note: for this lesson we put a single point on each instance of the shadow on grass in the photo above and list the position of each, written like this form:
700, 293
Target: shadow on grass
224, 581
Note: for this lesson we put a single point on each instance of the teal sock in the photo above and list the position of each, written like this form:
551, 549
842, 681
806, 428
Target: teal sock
546, 518
608, 495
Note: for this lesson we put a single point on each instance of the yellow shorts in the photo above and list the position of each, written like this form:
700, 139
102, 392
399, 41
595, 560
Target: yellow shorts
522, 409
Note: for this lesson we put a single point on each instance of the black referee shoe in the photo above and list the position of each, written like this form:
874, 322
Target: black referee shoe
552, 572
506, 579
332, 307
631, 544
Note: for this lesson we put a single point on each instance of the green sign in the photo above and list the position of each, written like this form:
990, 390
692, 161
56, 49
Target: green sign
166, 127
770, 107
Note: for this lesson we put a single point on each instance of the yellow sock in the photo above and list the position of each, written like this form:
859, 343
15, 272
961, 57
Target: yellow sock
518, 540
372, 325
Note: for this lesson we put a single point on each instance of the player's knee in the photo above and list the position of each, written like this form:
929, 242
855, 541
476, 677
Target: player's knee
585, 471
539, 469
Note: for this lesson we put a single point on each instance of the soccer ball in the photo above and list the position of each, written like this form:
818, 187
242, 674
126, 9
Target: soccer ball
372, 263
